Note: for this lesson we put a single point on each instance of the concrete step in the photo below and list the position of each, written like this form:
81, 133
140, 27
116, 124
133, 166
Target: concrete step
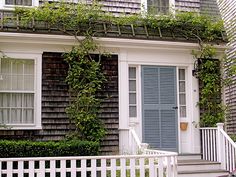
198, 164
189, 156
203, 173
199, 168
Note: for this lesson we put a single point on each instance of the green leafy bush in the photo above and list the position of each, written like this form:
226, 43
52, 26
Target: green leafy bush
47, 149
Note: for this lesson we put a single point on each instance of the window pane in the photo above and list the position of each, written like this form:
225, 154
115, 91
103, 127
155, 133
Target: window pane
132, 111
5, 100
181, 74
5, 82
17, 67
29, 83
16, 116
17, 100
181, 86
17, 82
28, 100
4, 114
9, 2
182, 111
28, 115
27, 2
19, 2
182, 99
5, 66
132, 98
132, 85
132, 72
29, 67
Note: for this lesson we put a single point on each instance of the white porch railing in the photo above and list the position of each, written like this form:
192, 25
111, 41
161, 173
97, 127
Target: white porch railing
142, 148
218, 146
92, 166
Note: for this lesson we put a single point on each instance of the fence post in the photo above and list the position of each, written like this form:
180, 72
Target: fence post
220, 152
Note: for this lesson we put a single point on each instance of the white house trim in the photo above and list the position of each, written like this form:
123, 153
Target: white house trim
37, 57
63, 40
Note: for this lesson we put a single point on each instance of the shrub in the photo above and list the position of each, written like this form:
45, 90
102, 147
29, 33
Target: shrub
43, 149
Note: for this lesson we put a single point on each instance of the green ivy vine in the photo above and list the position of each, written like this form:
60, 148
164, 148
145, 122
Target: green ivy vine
211, 83
85, 77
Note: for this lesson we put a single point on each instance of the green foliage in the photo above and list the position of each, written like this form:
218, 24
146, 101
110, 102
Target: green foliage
211, 83
47, 149
72, 19
85, 78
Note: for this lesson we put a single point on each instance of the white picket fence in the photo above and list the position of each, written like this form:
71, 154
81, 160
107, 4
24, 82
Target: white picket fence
90, 166
218, 146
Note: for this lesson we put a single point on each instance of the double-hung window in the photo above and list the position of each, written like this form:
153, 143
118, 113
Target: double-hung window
17, 92
158, 6
19, 2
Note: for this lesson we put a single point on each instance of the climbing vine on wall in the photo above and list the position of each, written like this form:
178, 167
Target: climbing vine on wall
85, 77
211, 84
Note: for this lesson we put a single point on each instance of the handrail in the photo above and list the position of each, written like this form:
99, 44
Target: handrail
143, 147
228, 138
218, 146
135, 136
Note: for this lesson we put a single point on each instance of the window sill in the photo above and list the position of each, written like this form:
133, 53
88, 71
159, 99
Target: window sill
22, 127
12, 7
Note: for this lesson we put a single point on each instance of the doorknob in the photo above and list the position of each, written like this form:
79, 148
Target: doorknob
176, 107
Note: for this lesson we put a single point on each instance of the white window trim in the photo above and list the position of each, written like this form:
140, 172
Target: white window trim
12, 7
171, 5
138, 117
37, 57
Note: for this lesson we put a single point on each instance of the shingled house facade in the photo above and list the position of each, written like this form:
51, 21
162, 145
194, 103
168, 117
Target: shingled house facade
145, 78
228, 12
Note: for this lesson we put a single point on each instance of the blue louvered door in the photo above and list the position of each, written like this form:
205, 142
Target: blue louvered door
159, 113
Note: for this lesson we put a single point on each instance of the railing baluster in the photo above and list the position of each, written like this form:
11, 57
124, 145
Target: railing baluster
41, 168
63, 168
168, 167
93, 168
20, 169
83, 167
203, 143
132, 167
151, 167
9, 169
123, 167
52, 168
160, 167
223, 153
211, 145
73, 168
142, 167
31, 168
230, 157
103, 168
233, 158
113, 167
214, 145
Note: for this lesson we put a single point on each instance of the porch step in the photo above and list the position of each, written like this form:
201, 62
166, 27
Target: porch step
191, 165
199, 168
189, 156
203, 173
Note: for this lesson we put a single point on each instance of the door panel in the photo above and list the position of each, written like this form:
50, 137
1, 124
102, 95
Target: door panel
159, 97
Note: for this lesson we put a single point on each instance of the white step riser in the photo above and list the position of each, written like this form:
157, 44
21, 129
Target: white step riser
198, 167
202, 175
189, 157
